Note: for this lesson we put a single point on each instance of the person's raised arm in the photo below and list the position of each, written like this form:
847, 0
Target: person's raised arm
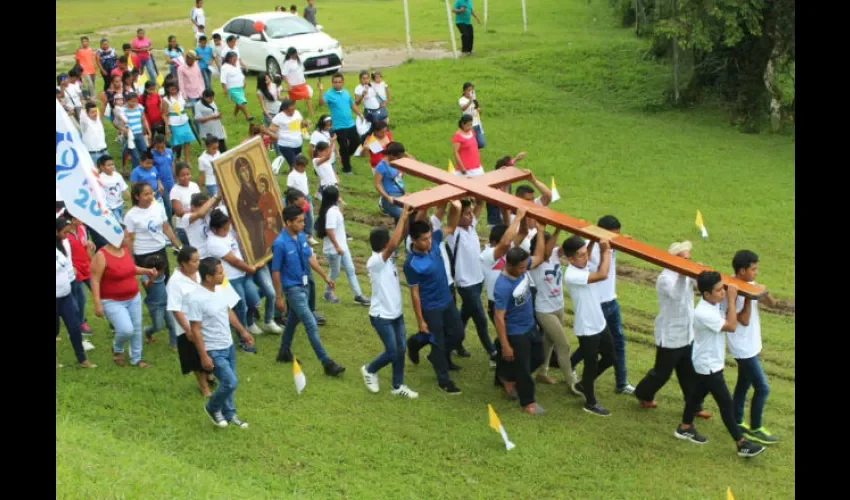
731, 323
477, 208
399, 233
545, 192
540, 248
204, 209
601, 273
505, 243
553, 242
454, 217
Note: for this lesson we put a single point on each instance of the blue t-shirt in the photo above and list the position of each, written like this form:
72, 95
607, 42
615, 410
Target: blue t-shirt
464, 17
140, 174
205, 55
519, 312
339, 102
392, 181
429, 272
291, 258
134, 119
164, 165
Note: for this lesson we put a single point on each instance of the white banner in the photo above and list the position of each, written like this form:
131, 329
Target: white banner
77, 181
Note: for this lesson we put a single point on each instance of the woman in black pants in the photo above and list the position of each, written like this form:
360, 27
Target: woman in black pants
66, 306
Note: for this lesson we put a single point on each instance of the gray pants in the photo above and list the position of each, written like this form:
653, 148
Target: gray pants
555, 338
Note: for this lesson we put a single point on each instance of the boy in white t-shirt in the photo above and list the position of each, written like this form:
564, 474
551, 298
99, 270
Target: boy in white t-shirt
594, 337
297, 179
745, 346
385, 310
206, 174
114, 185
210, 314
709, 358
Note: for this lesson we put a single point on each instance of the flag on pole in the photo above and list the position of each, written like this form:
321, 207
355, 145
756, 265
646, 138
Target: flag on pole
451, 167
701, 225
160, 79
78, 183
496, 425
143, 79
555, 195
298, 376
729, 495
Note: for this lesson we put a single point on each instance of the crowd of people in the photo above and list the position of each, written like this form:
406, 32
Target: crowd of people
521, 272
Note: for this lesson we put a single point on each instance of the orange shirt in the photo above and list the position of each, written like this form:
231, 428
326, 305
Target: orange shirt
85, 57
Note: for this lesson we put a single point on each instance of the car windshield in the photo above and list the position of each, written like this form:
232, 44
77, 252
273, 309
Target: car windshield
281, 27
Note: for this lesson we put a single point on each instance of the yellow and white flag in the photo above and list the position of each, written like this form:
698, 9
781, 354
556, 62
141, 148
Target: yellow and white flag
451, 167
729, 495
143, 79
298, 376
160, 79
555, 195
496, 425
701, 225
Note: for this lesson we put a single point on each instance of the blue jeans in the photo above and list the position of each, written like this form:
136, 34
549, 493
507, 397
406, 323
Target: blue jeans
212, 189
97, 154
249, 296
289, 154
224, 368
479, 136
750, 373
308, 217
471, 307
388, 208
298, 301
394, 338
335, 260
119, 213
611, 310
150, 68
181, 235
126, 317
166, 200
156, 300
79, 294
263, 280
207, 74
66, 308
139, 140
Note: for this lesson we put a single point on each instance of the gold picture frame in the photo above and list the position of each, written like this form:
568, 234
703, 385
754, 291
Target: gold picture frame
251, 194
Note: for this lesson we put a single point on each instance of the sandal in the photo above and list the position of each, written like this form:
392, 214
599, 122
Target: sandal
150, 338
119, 360
143, 364
87, 364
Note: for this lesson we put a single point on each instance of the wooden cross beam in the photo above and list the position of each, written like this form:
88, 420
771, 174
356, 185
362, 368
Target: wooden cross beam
484, 187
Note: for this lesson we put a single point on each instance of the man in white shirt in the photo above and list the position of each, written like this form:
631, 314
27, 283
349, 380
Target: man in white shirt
674, 333
594, 336
606, 292
465, 257
709, 357
745, 346
210, 314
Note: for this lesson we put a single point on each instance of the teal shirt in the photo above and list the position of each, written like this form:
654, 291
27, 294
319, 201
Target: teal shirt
464, 17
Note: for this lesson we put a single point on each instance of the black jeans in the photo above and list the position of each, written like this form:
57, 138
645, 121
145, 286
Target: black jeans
667, 360
471, 307
466, 36
598, 352
348, 143
528, 356
716, 385
140, 261
66, 308
446, 327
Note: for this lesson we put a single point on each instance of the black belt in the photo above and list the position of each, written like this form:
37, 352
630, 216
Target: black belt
97, 152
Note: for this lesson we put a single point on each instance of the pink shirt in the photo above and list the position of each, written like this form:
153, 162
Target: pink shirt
190, 81
144, 43
468, 150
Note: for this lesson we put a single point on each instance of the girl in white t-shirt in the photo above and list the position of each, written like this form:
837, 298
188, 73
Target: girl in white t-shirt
323, 166
367, 96
324, 133
382, 88
181, 196
269, 95
114, 185
197, 220
293, 72
148, 227
330, 226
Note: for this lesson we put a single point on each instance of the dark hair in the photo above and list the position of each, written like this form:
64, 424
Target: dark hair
138, 189
218, 219
286, 103
122, 59
74, 72
292, 195
465, 203
229, 53
61, 223
146, 155
364, 72
609, 222
546, 238
208, 93
706, 281
102, 160
83, 38
207, 267
301, 161
394, 149
125, 75
90, 105
516, 256
418, 228
379, 125
202, 38
379, 237
150, 84
330, 196
524, 189
503, 162
463, 119
155, 261
466, 85
254, 129
290, 52
320, 146
210, 139
158, 139
291, 213
744, 259
321, 121
337, 75
262, 87
572, 245
496, 233
185, 254
126, 46
179, 166
198, 199
376, 73
216, 36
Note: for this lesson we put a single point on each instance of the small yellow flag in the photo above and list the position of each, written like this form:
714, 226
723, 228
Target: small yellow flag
729, 495
143, 79
298, 376
701, 225
160, 79
130, 63
451, 167
496, 425
555, 195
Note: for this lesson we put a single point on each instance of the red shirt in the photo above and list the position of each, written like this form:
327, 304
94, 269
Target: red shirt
79, 253
119, 277
153, 107
375, 158
468, 150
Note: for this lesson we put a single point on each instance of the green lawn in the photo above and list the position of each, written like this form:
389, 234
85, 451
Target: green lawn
575, 93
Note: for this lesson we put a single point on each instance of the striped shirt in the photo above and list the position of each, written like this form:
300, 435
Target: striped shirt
134, 118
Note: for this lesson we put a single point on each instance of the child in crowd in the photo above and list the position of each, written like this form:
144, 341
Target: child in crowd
297, 179
330, 226
323, 165
85, 59
93, 135
324, 133
147, 174
206, 174
156, 299
208, 118
114, 185
151, 101
382, 89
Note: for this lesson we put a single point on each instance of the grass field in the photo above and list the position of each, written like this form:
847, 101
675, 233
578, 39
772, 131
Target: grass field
575, 93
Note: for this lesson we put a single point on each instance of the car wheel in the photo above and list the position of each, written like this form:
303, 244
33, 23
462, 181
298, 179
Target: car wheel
272, 67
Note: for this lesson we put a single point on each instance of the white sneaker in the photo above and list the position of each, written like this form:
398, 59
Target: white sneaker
628, 389
370, 379
273, 327
88, 346
312, 241
255, 330
405, 391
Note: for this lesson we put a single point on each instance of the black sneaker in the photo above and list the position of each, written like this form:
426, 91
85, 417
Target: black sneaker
320, 320
286, 357
247, 348
333, 369
690, 434
413, 348
363, 301
462, 352
217, 418
453, 367
279, 319
597, 409
749, 449
450, 388
579, 389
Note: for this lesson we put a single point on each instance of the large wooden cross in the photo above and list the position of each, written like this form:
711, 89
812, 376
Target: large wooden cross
485, 187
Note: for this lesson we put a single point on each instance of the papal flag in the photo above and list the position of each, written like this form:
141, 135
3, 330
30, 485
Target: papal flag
729, 495
451, 168
701, 225
496, 425
298, 376
555, 195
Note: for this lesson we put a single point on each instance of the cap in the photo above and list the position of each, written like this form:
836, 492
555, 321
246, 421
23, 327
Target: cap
678, 247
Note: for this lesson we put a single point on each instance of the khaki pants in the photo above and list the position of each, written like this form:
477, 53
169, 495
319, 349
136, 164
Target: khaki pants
555, 337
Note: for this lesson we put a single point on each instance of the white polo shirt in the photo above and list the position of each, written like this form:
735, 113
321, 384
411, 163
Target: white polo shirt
605, 290
589, 319
179, 288
467, 249
674, 325
745, 341
212, 310
709, 351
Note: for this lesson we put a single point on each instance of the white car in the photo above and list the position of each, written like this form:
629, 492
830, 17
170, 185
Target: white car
319, 53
